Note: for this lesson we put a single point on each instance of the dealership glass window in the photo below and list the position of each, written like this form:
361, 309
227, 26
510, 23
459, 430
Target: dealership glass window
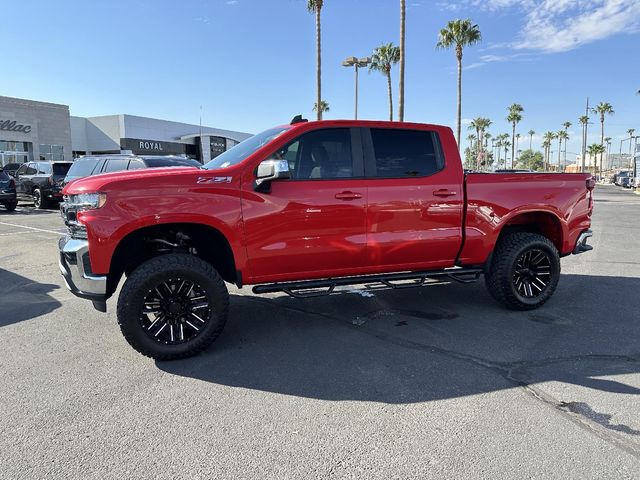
7, 146
51, 152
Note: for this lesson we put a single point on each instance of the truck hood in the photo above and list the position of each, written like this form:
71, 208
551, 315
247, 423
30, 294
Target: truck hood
100, 183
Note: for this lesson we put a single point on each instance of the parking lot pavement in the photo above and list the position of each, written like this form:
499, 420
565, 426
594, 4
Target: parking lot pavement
437, 382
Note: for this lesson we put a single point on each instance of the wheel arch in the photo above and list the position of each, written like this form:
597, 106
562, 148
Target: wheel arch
201, 240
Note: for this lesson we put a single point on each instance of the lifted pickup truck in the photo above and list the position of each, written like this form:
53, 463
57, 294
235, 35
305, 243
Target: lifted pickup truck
304, 208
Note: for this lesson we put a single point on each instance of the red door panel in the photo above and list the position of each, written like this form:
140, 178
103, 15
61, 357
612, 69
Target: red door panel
306, 229
409, 226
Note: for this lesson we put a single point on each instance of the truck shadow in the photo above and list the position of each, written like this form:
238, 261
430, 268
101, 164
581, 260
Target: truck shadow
424, 344
23, 299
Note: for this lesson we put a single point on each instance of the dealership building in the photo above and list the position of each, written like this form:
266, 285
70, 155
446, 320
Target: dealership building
32, 130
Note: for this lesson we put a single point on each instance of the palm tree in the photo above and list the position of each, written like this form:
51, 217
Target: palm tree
315, 6
517, 144
382, 59
631, 131
324, 106
607, 141
602, 108
506, 145
459, 34
561, 135
514, 117
546, 144
584, 120
402, 59
480, 125
594, 150
548, 138
531, 133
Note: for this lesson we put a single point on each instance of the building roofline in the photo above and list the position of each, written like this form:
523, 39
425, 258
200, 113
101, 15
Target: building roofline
24, 101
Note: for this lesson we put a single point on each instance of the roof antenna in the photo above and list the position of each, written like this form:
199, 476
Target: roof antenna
298, 119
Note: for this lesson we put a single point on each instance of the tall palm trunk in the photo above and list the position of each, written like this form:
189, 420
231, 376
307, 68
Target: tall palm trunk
559, 151
513, 142
390, 96
530, 142
318, 64
459, 57
584, 147
601, 140
402, 58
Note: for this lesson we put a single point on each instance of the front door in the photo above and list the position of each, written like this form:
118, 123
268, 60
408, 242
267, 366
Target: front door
313, 224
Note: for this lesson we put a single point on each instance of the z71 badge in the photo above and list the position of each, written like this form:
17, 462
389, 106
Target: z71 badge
214, 179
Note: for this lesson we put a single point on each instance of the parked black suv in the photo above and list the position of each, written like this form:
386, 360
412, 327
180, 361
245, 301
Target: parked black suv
11, 168
96, 164
41, 182
7, 191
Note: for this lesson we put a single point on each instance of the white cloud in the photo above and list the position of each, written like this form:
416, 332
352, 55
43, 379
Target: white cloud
552, 26
561, 25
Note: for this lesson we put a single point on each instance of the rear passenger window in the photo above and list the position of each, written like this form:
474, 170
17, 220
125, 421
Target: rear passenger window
405, 153
116, 164
136, 165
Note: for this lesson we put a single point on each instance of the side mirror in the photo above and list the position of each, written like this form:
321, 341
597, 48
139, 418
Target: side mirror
268, 171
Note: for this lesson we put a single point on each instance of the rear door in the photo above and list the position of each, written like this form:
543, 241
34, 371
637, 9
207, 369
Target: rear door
27, 173
415, 203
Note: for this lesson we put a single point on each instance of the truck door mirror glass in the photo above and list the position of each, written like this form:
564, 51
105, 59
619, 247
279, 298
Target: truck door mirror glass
268, 171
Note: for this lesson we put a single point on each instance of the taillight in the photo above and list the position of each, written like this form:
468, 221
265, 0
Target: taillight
12, 183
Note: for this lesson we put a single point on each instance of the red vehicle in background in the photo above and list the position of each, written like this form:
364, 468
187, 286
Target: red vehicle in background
307, 207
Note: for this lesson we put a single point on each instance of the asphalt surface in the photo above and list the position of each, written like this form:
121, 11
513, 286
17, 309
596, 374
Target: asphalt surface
437, 382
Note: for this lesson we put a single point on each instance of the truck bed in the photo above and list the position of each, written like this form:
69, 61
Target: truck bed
560, 203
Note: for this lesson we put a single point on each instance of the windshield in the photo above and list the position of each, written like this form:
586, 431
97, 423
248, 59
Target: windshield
241, 151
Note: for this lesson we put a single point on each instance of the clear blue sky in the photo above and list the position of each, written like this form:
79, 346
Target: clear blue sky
251, 63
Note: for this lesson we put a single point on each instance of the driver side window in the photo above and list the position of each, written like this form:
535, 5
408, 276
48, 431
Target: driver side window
319, 155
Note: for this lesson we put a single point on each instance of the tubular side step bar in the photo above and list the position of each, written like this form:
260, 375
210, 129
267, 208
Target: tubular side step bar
297, 289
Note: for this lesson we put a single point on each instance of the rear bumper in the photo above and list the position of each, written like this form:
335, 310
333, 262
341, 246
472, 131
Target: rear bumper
76, 270
8, 197
581, 243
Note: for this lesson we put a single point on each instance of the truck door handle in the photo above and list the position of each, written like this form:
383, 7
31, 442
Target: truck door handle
443, 192
348, 195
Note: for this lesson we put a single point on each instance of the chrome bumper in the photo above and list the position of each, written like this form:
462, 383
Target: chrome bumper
581, 243
76, 270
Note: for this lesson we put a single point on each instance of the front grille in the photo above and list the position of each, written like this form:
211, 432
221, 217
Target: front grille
70, 216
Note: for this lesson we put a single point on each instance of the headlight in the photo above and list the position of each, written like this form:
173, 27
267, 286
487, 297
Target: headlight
87, 201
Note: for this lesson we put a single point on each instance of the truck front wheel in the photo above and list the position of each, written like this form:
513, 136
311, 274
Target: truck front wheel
172, 306
524, 271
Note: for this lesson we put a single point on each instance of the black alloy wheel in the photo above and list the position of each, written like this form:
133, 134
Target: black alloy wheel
532, 273
175, 311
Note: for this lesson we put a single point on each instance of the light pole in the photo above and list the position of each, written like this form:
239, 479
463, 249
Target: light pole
357, 63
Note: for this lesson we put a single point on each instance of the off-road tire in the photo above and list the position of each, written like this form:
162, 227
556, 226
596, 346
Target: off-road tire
500, 276
10, 206
150, 274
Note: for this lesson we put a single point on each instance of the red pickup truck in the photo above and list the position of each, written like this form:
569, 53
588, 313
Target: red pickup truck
305, 208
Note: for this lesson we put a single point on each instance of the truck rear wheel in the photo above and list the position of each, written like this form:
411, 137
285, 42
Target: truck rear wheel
173, 306
524, 271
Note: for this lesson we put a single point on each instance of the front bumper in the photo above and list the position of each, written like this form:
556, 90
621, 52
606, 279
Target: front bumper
76, 270
581, 243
